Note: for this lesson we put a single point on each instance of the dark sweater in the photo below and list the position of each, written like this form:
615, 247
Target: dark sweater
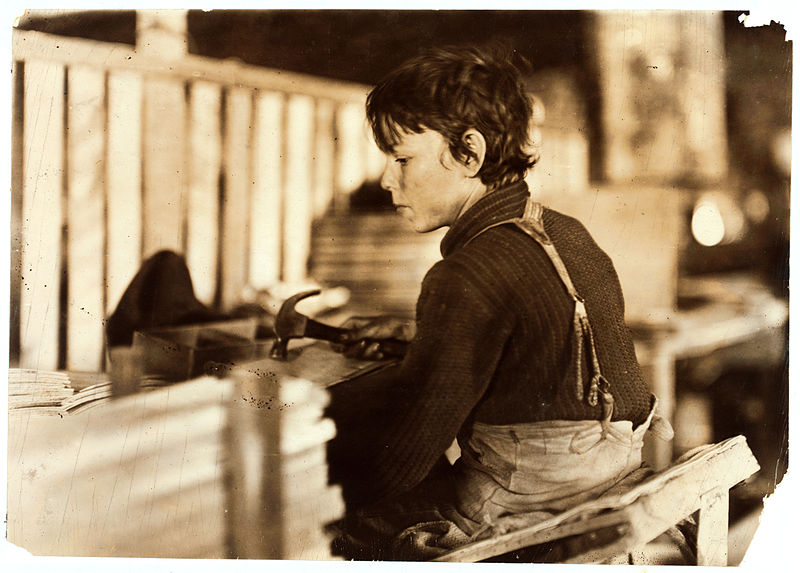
493, 340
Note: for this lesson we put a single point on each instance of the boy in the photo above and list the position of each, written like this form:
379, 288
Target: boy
520, 351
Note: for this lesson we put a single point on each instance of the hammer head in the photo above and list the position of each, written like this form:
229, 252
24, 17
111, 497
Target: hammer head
289, 324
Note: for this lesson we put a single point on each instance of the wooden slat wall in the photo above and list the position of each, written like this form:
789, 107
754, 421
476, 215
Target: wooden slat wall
151, 149
85, 214
41, 214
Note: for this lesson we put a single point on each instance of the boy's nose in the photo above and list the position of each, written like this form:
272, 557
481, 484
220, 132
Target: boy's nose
389, 179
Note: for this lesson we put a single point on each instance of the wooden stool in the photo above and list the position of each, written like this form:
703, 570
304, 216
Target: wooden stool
630, 516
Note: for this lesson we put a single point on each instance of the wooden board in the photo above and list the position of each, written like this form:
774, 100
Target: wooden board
297, 188
377, 256
317, 363
204, 165
350, 152
236, 207
230, 72
123, 183
86, 228
164, 206
267, 208
43, 165
17, 184
324, 153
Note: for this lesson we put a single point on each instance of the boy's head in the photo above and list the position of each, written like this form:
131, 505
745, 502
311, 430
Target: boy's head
451, 90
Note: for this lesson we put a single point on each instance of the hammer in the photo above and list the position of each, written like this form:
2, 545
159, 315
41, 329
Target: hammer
291, 324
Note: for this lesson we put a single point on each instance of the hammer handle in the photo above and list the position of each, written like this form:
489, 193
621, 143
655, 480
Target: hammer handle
389, 347
322, 331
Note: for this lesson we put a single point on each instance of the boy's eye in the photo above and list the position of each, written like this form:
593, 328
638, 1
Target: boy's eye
401, 160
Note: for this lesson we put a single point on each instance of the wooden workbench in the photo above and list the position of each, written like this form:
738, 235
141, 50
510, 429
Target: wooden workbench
727, 310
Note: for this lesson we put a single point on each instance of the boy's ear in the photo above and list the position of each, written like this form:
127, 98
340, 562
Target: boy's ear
474, 141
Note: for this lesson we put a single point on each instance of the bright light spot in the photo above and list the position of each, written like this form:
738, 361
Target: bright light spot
708, 227
781, 148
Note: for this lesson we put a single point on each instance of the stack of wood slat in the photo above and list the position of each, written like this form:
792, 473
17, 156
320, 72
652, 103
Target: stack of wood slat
62, 392
141, 476
43, 391
377, 256
279, 498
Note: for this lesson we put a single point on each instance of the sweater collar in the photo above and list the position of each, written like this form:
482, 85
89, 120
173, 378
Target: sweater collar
495, 206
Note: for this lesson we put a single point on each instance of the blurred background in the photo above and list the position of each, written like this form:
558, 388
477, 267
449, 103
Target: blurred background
237, 139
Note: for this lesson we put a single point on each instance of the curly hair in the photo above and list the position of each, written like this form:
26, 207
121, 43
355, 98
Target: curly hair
451, 90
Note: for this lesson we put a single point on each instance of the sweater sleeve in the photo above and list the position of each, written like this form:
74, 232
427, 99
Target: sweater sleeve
461, 331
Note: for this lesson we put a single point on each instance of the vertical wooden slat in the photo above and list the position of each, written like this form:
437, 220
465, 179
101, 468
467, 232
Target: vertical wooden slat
712, 529
375, 160
350, 165
298, 206
324, 150
17, 182
164, 138
123, 183
41, 214
85, 218
236, 207
268, 168
204, 162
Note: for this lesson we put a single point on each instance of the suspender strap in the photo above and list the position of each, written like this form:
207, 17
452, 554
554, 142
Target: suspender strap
531, 224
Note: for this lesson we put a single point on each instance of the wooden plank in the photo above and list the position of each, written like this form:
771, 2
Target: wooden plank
375, 159
324, 152
164, 197
236, 205
204, 165
85, 218
43, 135
712, 529
350, 165
297, 188
267, 208
123, 184
17, 183
123, 57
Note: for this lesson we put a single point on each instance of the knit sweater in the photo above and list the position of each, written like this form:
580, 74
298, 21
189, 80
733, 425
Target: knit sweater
494, 343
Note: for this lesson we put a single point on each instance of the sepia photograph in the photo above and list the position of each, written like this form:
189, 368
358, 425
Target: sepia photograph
507, 286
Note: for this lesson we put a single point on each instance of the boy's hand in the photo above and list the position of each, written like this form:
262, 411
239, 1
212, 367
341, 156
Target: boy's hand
375, 338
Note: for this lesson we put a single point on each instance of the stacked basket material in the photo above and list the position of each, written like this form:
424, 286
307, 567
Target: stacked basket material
279, 500
377, 256
139, 476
